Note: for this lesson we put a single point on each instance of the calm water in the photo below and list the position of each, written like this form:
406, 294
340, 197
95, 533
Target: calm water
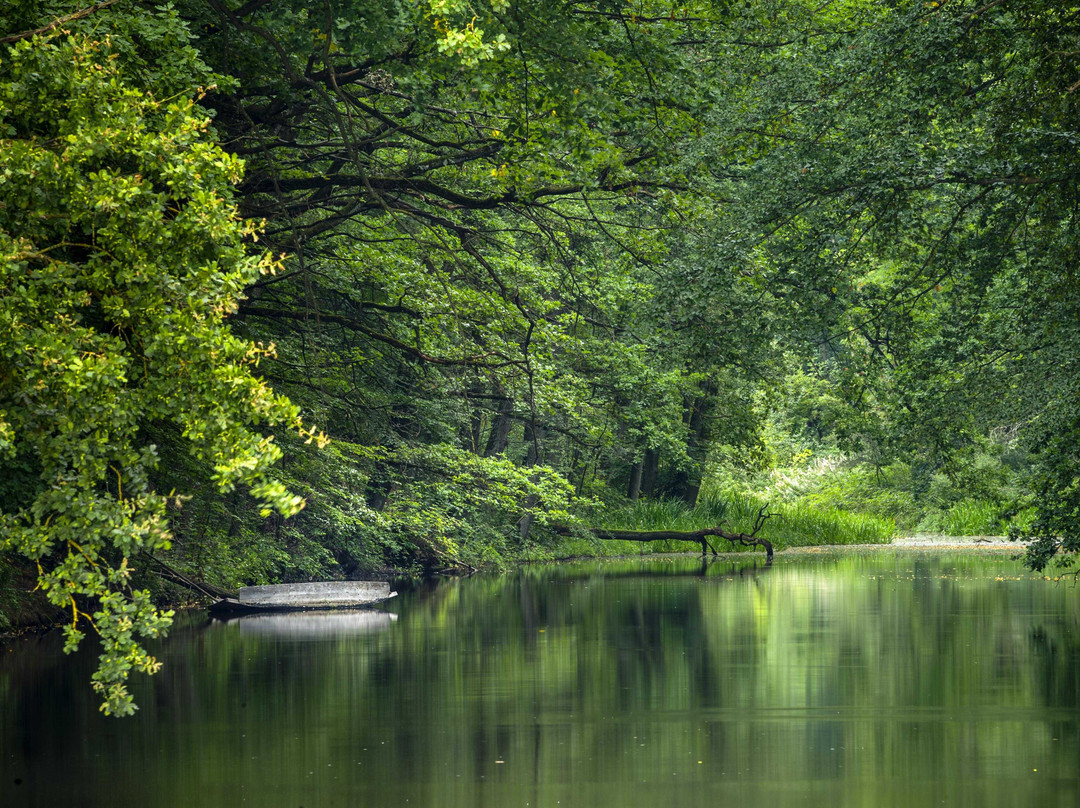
886, 678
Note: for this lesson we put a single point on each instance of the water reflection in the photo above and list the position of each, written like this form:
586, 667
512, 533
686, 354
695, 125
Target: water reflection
312, 625
884, 678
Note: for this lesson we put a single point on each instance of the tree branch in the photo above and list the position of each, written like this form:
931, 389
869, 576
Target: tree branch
356, 325
78, 15
426, 186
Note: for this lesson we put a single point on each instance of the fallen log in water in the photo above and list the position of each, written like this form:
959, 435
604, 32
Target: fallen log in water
700, 536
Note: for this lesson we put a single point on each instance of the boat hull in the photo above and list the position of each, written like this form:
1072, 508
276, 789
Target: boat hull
298, 597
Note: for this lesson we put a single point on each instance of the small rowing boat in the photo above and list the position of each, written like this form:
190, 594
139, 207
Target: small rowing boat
294, 597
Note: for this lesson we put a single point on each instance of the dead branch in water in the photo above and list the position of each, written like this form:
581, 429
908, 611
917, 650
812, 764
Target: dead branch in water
699, 536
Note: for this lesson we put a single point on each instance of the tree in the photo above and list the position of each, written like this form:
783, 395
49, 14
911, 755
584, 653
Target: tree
917, 177
121, 254
473, 244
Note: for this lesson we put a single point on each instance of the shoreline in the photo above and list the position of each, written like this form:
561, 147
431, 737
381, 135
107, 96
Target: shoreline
36, 620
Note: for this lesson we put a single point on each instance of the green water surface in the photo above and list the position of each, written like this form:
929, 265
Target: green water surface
877, 678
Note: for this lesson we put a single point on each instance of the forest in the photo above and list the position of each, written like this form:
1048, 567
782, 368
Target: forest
297, 291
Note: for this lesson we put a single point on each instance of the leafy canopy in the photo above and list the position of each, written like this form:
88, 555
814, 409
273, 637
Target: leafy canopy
120, 256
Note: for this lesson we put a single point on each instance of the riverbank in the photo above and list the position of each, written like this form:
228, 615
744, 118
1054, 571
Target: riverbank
28, 610
946, 542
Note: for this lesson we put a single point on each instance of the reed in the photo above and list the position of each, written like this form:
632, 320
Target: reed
801, 524
664, 514
790, 525
974, 517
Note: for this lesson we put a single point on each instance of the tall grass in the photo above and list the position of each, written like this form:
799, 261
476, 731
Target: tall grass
980, 517
973, 517
665, 514
790, 524
801, 524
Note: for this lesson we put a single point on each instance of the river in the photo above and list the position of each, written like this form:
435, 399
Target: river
852, 678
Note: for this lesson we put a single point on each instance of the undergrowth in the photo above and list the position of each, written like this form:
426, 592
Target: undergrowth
788, 525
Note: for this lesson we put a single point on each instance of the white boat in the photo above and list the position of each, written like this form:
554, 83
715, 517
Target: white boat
317, 595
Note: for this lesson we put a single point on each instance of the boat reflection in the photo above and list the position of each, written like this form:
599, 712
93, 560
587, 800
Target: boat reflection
313, 625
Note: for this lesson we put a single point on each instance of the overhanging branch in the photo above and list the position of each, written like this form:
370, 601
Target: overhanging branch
77, 15
356, 325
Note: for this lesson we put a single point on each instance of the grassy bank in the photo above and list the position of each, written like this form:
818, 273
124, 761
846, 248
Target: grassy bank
789, 525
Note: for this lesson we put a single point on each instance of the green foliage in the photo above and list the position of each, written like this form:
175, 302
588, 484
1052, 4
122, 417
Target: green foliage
974, 517
455, 20
919, 183
534, 256
485, 284
800, 524
890, 492
665, 514
982, 497
9, 596
790, 524
120, 256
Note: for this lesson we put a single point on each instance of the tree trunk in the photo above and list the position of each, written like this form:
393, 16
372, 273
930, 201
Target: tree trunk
378, 493
650, 469
634, 491
500, 429
476, 425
